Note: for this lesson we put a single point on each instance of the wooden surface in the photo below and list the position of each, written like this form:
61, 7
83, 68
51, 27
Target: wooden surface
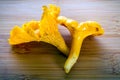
100, 56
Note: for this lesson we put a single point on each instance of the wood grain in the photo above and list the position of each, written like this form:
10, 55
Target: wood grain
100, 56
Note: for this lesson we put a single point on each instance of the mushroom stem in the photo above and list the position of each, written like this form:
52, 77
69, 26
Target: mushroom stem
74, 53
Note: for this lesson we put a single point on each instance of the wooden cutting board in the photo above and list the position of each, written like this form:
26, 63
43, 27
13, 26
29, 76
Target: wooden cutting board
99, 58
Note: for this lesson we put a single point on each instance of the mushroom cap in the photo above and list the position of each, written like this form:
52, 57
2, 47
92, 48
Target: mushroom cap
91, 28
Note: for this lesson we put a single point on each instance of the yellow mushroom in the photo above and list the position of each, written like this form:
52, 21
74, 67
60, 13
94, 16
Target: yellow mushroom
79, 32
45, 30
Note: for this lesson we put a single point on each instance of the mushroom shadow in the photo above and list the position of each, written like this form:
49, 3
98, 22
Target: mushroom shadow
38, 59
89, 61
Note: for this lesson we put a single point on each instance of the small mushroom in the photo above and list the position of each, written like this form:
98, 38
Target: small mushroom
79, 32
